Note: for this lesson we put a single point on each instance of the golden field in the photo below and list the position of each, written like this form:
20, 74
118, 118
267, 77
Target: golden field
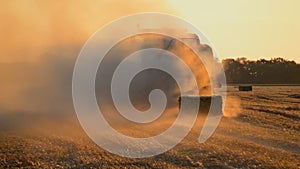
260, 129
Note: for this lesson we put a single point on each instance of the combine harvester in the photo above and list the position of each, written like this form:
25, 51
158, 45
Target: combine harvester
210, 102
204, 100
210, 106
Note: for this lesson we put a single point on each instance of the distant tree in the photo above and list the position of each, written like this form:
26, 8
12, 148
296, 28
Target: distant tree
274, 71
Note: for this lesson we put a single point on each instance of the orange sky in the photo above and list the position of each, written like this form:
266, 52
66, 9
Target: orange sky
255, 29
258, 28
29, 28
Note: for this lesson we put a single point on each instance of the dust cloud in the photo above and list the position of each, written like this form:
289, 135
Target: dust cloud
232, 106
147, 80
41, 40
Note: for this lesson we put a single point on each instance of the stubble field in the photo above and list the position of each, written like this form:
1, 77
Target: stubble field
261, 129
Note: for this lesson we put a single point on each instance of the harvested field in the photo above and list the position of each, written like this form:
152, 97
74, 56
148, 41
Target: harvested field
263, 133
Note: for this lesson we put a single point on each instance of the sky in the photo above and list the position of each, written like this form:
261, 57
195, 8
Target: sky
254, 29
29, 28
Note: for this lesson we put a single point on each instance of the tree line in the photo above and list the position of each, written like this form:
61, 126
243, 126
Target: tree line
262, 71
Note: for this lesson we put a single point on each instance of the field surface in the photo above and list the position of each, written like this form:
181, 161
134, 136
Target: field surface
261, 129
